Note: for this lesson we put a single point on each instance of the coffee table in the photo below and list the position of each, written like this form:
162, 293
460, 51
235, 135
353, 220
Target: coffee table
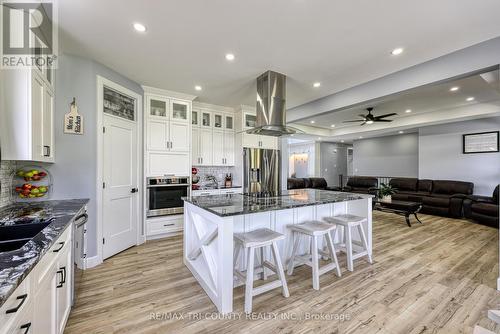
403, 208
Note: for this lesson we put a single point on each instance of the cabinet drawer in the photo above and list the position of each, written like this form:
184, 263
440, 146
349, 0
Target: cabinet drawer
161, 226
205, 192
23, 322
231, 191
16, 304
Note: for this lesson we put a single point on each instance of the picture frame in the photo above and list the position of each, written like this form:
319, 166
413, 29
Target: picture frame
481, 142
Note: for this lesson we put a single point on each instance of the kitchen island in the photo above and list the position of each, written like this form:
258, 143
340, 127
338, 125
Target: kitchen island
211, 221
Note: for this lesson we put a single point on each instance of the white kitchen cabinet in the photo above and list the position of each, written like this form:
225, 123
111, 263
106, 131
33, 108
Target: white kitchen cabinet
195, 118
179, 136
218, 148
45, 306
229, 148
229, 122
206, 147
179, 111
157, 135
210, 192
195, 146
27, 118
161, 163
206, 119
158, 226
63, 287
258, 141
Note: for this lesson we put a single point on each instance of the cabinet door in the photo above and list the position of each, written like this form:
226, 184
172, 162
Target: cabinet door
179, 111
218, 148
249, 120
229, 123
157, 135
206, 119
195, 118
229, 148
63, 287
218, 118
162, 163
37, 107
45, 306
252, 141
48, 126
269, 142
195, 146
206, 147
179, 136
158, 108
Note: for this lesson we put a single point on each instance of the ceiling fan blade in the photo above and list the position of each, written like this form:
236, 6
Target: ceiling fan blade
386, 115
351, 121
362, 116
382, 120
363, 123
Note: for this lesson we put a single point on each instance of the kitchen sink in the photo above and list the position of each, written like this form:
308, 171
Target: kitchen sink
13, 237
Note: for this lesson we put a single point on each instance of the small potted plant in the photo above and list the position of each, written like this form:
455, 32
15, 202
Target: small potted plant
386, 191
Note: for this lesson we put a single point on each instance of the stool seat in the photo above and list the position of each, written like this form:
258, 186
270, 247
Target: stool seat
258, 237
312, 228
345, 219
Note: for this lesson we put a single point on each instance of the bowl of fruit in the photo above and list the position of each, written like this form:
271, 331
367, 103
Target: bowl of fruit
31, 183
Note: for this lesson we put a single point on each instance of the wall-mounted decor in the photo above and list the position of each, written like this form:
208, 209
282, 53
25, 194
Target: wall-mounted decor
483, 142
73, 121
118, 104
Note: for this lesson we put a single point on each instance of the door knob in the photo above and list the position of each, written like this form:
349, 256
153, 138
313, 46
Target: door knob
134, 190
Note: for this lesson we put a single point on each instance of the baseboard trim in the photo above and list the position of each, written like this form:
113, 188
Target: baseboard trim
91, 262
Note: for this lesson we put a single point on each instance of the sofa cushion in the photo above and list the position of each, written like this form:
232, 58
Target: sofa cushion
318, 182
485, 209
294, 183
425, 186
404, 183
362, 181
440, 201
445, 187
307, 182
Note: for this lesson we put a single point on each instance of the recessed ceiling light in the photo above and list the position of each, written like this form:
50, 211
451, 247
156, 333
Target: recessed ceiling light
401, 132
408, 111
197, 87
139, 27
332, 126
454, 89
229, 56
397, 51
316, 84
469, 99
312, 122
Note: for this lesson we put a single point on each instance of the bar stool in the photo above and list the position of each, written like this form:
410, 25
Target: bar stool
314, 230
254, 240
348, 222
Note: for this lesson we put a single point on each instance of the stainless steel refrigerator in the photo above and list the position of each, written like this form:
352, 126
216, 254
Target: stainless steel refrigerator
262, 171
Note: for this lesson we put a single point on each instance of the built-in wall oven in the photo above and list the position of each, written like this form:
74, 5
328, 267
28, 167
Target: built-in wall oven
164, 195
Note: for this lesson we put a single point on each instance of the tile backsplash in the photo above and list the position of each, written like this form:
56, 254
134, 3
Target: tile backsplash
218, 171
6, 170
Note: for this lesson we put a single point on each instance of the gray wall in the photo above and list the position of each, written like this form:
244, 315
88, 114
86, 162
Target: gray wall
387, 156
333, 162
441, 157
74, 171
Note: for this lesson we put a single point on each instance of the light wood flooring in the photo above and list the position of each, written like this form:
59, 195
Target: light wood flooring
439, 277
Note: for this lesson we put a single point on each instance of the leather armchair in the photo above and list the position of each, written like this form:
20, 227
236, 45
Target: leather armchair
483, 209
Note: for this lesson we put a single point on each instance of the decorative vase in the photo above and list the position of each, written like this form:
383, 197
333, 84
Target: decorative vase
387, 198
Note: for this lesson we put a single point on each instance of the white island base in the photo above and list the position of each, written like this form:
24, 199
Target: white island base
208, 240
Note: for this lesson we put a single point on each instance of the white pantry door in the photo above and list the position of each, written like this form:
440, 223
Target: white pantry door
120, 197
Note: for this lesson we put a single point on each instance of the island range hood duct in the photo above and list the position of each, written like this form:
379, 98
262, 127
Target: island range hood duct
271, 99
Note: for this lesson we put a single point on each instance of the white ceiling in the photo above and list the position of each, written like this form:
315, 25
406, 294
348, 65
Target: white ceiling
339, 43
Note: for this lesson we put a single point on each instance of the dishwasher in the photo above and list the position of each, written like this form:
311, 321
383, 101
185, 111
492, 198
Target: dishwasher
79, 250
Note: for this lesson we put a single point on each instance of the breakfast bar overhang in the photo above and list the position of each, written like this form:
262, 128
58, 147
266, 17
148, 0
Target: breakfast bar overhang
211, 221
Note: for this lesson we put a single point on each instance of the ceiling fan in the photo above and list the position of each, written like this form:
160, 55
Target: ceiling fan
370, 118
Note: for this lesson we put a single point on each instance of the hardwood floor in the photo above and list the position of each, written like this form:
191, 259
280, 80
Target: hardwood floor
439, 277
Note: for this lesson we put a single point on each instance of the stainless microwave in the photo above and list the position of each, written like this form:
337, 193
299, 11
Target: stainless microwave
164, 195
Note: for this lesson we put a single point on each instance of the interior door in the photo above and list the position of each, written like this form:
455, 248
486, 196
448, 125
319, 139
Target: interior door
120, 172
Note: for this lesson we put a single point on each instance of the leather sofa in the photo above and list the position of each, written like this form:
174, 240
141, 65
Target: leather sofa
310, 182
483, 209
361, 184
438, 197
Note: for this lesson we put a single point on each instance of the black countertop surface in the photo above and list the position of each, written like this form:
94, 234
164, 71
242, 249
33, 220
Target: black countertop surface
238, 204
15, 265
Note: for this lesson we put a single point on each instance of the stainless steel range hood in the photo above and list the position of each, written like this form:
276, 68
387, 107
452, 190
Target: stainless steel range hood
271, 98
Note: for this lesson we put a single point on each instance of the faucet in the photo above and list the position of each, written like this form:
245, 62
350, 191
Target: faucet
213, 180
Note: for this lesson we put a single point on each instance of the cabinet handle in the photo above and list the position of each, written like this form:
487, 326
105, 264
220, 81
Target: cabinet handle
168, 224
47, 151
62, 245
26, 327
63, 274
134, 190
15, 309
61, 283
171, 144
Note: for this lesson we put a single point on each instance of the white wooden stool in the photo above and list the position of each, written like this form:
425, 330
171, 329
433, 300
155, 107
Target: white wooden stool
348, 222
259, 239
314, 230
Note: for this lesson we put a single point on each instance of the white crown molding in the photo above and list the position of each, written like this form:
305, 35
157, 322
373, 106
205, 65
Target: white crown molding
213, 107
169, 93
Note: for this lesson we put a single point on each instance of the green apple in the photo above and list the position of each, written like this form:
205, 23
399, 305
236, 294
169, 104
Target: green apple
35, 191
42, 189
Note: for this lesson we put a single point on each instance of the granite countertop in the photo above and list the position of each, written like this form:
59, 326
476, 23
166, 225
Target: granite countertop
238, 204
15, 265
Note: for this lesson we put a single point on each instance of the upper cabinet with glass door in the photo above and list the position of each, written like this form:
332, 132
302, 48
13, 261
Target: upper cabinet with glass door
158, 108
195, 117
179, 111
228, 122
218, 117
249, 120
